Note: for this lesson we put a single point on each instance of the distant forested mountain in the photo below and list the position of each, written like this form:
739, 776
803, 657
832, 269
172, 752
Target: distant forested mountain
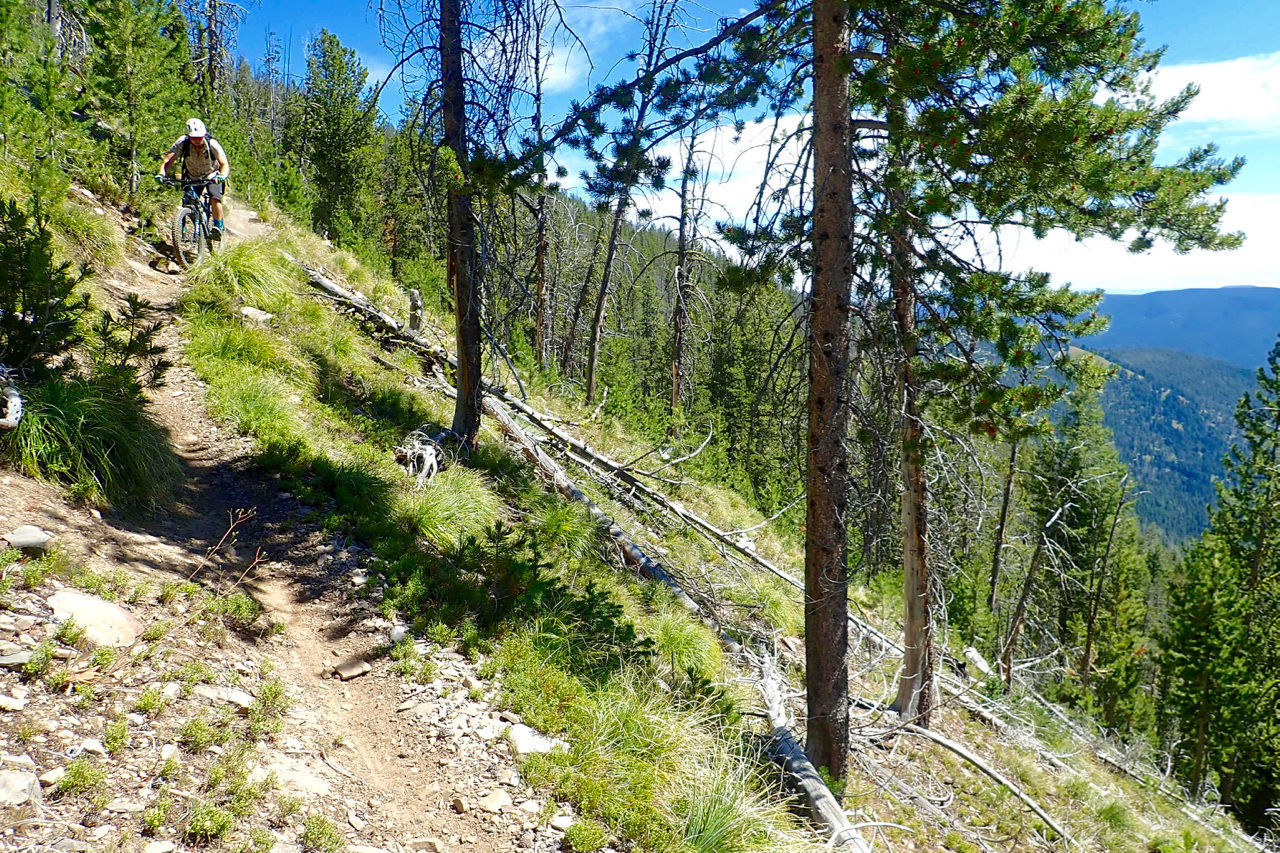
1172, 416
1232, 324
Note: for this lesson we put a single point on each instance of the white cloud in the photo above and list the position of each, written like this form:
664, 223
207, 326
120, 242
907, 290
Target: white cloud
1099, 263
1236, 95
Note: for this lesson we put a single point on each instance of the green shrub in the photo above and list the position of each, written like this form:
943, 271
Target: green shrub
238, 610
320, 835
69, 634
39, 305
586, 835
98, 440
207, 823
154, 817
116, 736
81, 776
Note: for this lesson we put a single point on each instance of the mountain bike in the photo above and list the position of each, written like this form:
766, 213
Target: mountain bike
193, 221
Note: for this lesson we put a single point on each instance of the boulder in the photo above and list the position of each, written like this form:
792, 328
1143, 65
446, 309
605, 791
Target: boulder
18, 787
105, 623
29, 538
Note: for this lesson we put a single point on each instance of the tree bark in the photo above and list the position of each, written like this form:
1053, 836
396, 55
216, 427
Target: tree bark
997, 554
1086, 664
1020, 614
915, 687
461, 266
571, 332
602, 297
826, 537
684, 281
541, 348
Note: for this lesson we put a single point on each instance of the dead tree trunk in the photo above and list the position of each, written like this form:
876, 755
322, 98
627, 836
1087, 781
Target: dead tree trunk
1086, 663
1020, 614
461, 264
684, 277
541, 348
826, 537
997, 551
602, 296
571, 331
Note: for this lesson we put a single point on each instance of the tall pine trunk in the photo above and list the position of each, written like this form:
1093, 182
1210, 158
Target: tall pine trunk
915, 687
826, 537
571, 331
541, 345
680, 314
461, 253
602, 296
1095, 602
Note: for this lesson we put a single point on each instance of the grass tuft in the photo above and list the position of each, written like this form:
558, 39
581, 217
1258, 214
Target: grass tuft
251, 271
97, 440
458, 503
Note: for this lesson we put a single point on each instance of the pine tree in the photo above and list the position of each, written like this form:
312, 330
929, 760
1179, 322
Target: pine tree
339, 122
139, 52
1223, 649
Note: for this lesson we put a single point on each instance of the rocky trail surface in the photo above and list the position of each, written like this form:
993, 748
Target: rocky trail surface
138, 706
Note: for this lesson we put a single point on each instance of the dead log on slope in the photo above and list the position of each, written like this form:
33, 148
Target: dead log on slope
783, 746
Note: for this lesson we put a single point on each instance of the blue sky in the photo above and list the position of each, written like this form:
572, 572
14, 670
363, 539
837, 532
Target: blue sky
1231, 49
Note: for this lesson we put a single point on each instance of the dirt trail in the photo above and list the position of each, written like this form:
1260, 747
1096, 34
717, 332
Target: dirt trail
382, 757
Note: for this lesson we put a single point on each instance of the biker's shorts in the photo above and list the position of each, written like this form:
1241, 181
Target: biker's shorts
215, 190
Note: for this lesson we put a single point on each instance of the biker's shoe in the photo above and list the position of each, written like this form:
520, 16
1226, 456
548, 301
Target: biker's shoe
215, 233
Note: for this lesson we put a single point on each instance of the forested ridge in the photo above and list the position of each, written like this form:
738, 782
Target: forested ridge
843, 357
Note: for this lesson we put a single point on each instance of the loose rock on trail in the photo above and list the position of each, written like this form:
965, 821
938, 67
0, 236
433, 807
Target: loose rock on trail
394, 766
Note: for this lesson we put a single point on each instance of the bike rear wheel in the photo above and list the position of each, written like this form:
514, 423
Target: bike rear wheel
189, 241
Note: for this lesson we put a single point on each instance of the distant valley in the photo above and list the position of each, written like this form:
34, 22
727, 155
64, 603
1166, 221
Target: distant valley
1184, 358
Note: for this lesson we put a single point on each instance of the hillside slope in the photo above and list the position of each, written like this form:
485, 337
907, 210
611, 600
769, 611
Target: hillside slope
1171, 414
514, 612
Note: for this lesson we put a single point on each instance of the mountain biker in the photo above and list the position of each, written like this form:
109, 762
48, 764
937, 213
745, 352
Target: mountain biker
202, 158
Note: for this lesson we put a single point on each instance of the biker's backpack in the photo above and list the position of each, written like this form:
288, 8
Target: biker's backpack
186, 149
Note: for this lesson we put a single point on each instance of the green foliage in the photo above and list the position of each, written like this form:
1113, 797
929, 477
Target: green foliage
69, 633
1170, 413
337, 127
96, 439
116, 736
82, 776
1220, 651
151, 702
124, 348
321, 835
251, 272
585, 836
139, 47
39, 303
155, 816
207, 823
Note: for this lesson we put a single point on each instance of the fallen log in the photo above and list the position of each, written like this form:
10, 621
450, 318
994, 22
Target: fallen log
786, 751
783, 747
972, 758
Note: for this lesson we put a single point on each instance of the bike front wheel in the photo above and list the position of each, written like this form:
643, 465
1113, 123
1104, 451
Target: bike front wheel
188, 239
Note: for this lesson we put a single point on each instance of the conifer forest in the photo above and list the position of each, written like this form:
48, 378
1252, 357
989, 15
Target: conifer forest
845, 350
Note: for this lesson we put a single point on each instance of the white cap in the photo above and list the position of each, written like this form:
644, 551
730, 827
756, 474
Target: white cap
195, 127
